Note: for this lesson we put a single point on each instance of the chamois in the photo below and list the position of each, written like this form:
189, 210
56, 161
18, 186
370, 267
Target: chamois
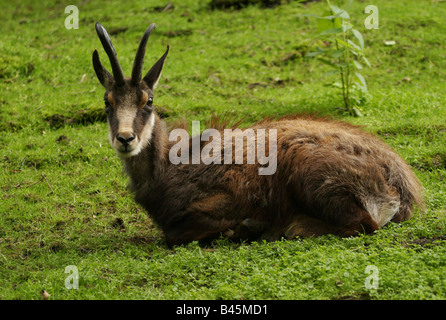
331, 178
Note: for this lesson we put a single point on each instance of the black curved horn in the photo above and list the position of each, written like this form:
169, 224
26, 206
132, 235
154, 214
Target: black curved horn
111, 52
139, 58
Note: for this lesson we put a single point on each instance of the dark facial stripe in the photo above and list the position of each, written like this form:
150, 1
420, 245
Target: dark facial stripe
140, 121
113, 123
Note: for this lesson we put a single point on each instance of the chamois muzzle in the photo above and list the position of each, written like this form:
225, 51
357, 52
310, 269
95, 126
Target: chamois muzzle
125, 139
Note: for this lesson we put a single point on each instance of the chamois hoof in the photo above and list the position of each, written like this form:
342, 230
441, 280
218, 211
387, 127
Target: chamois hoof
228, 233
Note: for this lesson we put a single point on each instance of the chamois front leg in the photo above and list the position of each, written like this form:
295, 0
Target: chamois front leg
248, 229
202, 220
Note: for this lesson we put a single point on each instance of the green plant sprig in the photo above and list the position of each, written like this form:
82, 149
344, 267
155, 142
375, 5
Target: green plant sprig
343, 55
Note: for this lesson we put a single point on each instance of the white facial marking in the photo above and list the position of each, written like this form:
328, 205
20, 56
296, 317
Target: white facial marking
126, 118
146, 134
141, 140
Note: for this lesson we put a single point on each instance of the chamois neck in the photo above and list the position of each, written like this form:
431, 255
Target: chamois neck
150, 163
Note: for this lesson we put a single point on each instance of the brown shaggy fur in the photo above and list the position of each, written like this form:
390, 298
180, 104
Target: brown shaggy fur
329, 174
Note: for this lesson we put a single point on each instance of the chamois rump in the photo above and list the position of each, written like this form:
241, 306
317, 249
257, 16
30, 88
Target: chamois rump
331, 177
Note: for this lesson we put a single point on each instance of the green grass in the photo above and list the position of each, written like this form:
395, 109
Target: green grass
64, 195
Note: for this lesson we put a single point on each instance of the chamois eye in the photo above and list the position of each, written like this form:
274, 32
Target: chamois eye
149, 105
108, 105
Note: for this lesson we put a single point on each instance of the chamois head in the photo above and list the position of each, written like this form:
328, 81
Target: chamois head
128, 101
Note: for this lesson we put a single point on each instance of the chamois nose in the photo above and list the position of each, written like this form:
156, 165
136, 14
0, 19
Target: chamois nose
125, 138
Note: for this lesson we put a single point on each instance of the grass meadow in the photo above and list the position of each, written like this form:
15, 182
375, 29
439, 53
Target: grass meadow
64, 198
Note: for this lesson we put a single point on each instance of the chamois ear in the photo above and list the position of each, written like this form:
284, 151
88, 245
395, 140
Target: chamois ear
104, 77
154, 74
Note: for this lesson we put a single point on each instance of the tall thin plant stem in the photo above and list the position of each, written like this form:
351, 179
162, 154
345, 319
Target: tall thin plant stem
345, 74
347, 77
